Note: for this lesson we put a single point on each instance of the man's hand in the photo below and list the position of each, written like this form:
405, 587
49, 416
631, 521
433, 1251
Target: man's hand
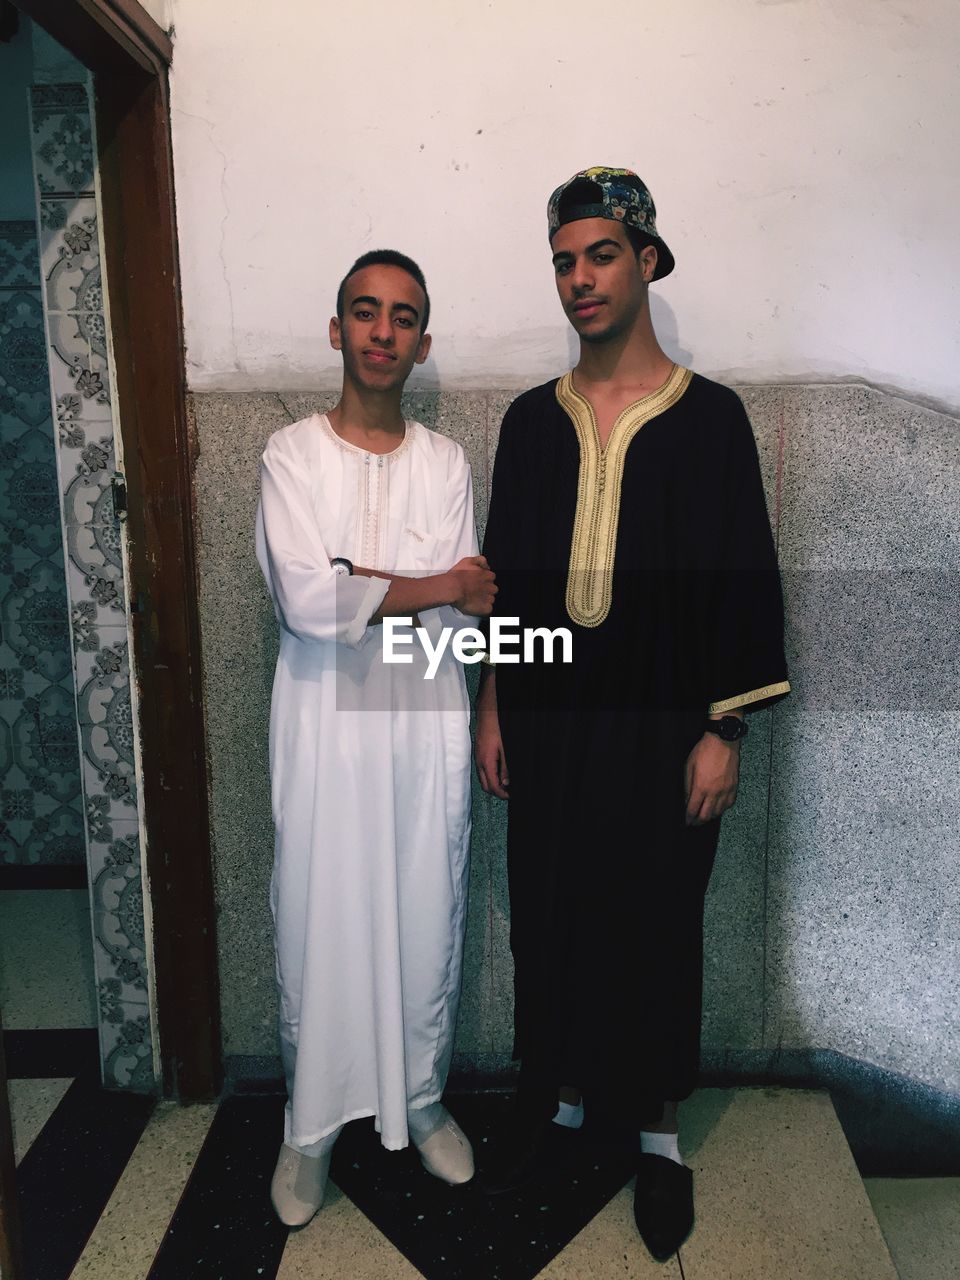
488, 750
712, 773
491, 762
474, 586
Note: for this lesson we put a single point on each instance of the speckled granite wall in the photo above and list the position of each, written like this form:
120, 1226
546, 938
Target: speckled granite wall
833, 919
863, 913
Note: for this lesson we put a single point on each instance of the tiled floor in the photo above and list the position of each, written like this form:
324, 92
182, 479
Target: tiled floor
32, 1102
129, 1232
182, 1193
920, 1218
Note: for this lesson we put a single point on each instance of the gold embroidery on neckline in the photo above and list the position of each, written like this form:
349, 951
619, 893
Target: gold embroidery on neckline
594, 543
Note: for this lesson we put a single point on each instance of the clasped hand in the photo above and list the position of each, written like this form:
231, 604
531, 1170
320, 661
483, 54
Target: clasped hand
474, 586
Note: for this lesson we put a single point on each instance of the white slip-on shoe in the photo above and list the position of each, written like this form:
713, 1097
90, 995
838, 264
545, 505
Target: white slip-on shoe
299, 1185
447, 1153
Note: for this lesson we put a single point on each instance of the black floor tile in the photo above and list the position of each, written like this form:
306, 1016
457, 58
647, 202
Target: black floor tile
43, 877
43, 1055
224, 1225
458, 1233
70, 1171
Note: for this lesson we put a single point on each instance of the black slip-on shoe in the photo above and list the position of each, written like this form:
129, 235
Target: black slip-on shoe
663, 1204
526, 1150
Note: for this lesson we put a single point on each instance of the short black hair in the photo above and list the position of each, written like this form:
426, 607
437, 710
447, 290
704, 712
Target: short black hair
638, 239
387, 258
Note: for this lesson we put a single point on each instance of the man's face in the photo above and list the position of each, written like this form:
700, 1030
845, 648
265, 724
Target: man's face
600, 280
379, 334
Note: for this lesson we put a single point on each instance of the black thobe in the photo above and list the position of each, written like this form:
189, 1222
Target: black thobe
656, 553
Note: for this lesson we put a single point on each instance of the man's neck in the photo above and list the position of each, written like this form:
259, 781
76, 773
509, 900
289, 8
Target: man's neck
368, 418
631, 364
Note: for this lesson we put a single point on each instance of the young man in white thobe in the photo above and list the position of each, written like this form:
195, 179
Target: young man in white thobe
365, 516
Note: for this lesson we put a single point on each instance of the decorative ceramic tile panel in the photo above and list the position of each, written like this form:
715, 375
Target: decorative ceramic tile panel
62, 138
106, 727
24, 390
71, 258
70, 262
18, 255
79, 390
41, 814
120, 953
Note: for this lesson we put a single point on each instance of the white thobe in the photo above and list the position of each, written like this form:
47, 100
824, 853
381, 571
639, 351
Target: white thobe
370, 776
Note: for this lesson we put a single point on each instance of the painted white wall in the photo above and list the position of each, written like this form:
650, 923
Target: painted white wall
801, 152
159, 10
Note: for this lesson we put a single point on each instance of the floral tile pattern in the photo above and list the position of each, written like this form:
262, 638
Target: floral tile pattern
18, 255
24, 387
29, 493
62, 138
76, 378
34, 617
117, 903
95, 562
120, 955
96, 585
41, 814
106, 726
125, 1043
77, 365
71, 262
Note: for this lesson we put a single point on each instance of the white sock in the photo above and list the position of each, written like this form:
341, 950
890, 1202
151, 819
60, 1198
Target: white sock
660, 1144
570, 1116
423, 1122
315, 1150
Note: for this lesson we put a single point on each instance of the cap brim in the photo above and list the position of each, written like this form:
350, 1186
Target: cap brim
665, 262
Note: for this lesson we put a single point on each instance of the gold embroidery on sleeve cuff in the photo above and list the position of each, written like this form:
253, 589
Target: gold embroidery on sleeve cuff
744, 699
594, 545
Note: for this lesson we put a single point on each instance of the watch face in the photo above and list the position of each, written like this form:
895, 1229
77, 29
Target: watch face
728, 728
340, 566
731, 728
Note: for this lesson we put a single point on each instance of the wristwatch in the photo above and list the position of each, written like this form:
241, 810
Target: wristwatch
729, 728
341, 565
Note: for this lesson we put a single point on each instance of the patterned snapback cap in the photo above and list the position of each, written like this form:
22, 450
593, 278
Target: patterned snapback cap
617, 194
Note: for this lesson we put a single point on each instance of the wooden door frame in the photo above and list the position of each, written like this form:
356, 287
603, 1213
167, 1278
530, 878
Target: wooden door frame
129, 55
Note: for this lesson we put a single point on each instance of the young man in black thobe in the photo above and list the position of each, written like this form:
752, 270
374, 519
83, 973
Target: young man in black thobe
627, 506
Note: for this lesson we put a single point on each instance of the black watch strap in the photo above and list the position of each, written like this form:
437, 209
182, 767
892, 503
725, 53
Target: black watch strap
729, 728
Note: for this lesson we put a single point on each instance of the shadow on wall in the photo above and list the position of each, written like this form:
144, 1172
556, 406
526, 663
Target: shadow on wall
666, 329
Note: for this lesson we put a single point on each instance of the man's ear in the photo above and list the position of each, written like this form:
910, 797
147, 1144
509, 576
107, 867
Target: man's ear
336, 338
648, 261
423, 349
